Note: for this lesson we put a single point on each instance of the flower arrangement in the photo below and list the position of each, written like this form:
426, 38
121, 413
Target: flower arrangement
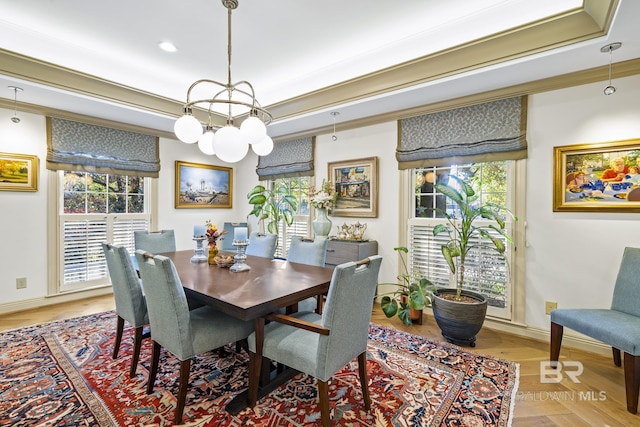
324, 198
213, 234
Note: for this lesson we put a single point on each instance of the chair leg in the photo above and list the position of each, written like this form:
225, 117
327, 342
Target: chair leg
119, 329
185, 366
137, 343
362, 370
153, 370
632, 381
616, 356
323, 394
556, 342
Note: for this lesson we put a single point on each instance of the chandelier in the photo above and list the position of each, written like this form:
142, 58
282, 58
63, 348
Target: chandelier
228, 142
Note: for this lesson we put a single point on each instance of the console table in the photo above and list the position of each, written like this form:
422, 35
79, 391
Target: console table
341, 251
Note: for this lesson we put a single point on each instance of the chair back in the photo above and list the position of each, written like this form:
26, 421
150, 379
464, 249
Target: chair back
155, 242
626, 294
312, 252
167, 304
347, 313
227, 239
127, 292
262, 245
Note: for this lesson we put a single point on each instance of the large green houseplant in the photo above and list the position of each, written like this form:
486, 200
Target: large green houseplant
272, 206
412, 294
460, 313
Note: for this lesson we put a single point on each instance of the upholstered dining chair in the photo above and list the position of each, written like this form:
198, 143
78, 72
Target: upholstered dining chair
130, 302
618, 326
320, 345
227, 241
262, 245
312, 252
155, 241
182, 332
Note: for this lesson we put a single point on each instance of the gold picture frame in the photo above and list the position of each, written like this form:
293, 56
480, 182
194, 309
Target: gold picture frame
600, 177
202, 186
18, 172
356, 183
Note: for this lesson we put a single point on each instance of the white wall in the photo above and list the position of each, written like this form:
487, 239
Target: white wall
379, 141
23, 215
571, 258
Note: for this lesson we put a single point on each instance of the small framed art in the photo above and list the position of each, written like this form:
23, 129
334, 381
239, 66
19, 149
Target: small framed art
18, 172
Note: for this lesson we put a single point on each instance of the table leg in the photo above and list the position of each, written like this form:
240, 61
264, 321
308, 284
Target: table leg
267, 382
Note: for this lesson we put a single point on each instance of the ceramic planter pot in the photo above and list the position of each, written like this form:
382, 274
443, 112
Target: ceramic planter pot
459, 322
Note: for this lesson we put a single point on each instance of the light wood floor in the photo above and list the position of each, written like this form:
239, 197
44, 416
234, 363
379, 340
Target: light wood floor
537, 404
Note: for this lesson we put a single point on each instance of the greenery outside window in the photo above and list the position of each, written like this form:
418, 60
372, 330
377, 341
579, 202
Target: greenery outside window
496, 183
96, 208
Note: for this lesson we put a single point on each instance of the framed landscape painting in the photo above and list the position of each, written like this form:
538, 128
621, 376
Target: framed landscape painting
356, 183
18, 172
203, 186
602, 177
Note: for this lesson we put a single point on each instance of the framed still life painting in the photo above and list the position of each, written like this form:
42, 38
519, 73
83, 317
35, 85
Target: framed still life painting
203, 186
602, 177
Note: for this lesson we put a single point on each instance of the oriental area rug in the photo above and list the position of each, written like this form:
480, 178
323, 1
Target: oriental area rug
62, 374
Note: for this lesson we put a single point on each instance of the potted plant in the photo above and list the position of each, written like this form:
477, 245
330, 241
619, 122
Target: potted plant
272, 205
411, 296
460, 313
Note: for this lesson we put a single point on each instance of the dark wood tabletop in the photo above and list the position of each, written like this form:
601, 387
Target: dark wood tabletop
269, 285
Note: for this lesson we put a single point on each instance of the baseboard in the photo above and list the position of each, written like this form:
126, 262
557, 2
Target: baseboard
32, 303
570, 339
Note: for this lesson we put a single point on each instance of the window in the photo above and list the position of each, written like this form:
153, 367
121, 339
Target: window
96, 208
301, 226
486, 271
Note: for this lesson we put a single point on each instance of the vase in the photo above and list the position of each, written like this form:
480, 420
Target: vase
213, 251
322, 223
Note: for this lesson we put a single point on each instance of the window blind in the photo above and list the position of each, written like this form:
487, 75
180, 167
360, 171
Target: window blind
90, 148
479, 133
288, 159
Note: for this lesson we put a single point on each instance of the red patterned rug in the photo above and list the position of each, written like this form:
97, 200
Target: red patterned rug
62, 374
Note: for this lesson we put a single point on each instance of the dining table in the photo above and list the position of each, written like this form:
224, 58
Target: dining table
270, 285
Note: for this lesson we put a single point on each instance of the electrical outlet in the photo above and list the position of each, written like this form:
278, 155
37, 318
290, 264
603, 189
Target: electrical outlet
21, 283
550, 305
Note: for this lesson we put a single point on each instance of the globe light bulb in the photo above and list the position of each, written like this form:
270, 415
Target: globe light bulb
229, 145
264, 147
609, 90
253, 130
188, 129
205, 143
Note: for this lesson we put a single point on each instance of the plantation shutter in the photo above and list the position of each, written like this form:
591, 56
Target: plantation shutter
83, 261
123, 229
287, 160
486, 271
74, 146
299, 227
479, 133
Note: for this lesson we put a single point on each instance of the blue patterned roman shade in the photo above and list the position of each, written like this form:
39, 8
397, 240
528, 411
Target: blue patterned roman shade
288, 159
479, 133
83, 147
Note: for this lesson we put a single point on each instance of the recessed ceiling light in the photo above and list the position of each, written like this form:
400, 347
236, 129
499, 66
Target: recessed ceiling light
167, 46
